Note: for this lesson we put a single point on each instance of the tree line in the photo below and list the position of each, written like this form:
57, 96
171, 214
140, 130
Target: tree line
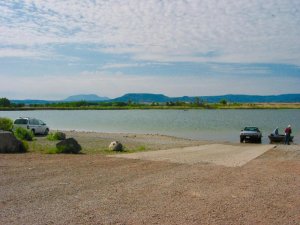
6, 103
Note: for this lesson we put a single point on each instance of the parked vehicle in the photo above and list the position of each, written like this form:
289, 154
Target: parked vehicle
35, 125
250, 134
278, 138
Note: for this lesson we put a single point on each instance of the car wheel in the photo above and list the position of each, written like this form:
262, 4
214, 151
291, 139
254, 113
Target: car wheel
46, 131
33, 131
259, 140
241, 140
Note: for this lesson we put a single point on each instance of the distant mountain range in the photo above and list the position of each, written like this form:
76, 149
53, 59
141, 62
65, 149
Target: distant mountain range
146, 98
88, 98
160, 98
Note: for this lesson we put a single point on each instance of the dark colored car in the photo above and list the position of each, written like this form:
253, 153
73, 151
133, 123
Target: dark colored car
250, 134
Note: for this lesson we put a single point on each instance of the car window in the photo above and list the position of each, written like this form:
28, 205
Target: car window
20, 121
41, 122
35, 122
251, 129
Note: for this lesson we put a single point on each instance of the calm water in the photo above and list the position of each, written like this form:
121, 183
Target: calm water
195, 124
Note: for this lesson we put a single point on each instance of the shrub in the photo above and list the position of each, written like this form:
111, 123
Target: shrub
6, 124
223, 102
56, 136
23, 134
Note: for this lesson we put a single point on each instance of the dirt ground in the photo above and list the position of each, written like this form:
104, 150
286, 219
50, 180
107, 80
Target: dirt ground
39, 188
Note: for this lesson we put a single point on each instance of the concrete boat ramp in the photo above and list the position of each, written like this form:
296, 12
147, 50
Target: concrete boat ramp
219, 154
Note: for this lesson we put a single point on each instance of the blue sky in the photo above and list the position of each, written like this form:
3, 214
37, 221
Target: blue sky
50, 49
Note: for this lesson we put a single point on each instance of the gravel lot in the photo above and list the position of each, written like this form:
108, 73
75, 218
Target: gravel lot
97, 189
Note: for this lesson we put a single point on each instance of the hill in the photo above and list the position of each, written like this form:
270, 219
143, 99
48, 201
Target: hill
142, 98
88, 98
160, 98
148, 98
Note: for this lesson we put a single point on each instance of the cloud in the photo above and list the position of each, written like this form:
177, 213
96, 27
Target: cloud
21, 53
161, 30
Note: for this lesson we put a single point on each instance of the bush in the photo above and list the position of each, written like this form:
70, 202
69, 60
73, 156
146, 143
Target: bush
24, 134
6, 124
56, 136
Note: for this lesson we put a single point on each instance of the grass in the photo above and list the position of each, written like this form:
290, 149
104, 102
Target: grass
42, 145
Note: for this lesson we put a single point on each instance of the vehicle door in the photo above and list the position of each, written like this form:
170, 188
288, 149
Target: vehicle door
42, 127
34, 125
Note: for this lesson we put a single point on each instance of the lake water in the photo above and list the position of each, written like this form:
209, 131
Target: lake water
194, 124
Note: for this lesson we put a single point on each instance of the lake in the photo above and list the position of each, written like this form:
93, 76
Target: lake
195, 124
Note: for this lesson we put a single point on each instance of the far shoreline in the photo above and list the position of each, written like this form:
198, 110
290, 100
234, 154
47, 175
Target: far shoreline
245, 106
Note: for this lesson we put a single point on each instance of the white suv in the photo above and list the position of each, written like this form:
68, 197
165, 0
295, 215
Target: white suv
35, 125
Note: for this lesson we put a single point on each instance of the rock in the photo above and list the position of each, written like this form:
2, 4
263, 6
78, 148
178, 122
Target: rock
10, 144
70, 145
115, 146
60, 135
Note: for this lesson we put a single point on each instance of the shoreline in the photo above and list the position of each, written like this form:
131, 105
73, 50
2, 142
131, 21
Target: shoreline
97, 142
149, 107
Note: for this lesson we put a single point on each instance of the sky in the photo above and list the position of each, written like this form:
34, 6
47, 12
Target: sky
51, 49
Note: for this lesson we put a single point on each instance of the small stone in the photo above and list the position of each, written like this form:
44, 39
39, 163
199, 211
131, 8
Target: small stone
115, 146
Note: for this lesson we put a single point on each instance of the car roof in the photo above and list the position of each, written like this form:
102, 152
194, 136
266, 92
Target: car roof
25, 118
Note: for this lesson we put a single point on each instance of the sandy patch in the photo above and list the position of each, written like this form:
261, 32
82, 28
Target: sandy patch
219, 154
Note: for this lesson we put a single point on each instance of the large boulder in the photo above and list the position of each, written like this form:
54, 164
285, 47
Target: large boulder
70, 145
115, 146
10, 144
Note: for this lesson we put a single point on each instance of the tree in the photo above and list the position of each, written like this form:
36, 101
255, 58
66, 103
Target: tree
4, 102
198, 101
223, 102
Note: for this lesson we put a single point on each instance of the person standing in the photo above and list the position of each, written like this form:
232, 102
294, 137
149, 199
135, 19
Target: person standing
287, 132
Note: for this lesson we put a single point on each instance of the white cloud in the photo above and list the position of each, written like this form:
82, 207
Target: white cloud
23, 53
162, 30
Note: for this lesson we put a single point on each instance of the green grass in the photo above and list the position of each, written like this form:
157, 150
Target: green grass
42, 145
